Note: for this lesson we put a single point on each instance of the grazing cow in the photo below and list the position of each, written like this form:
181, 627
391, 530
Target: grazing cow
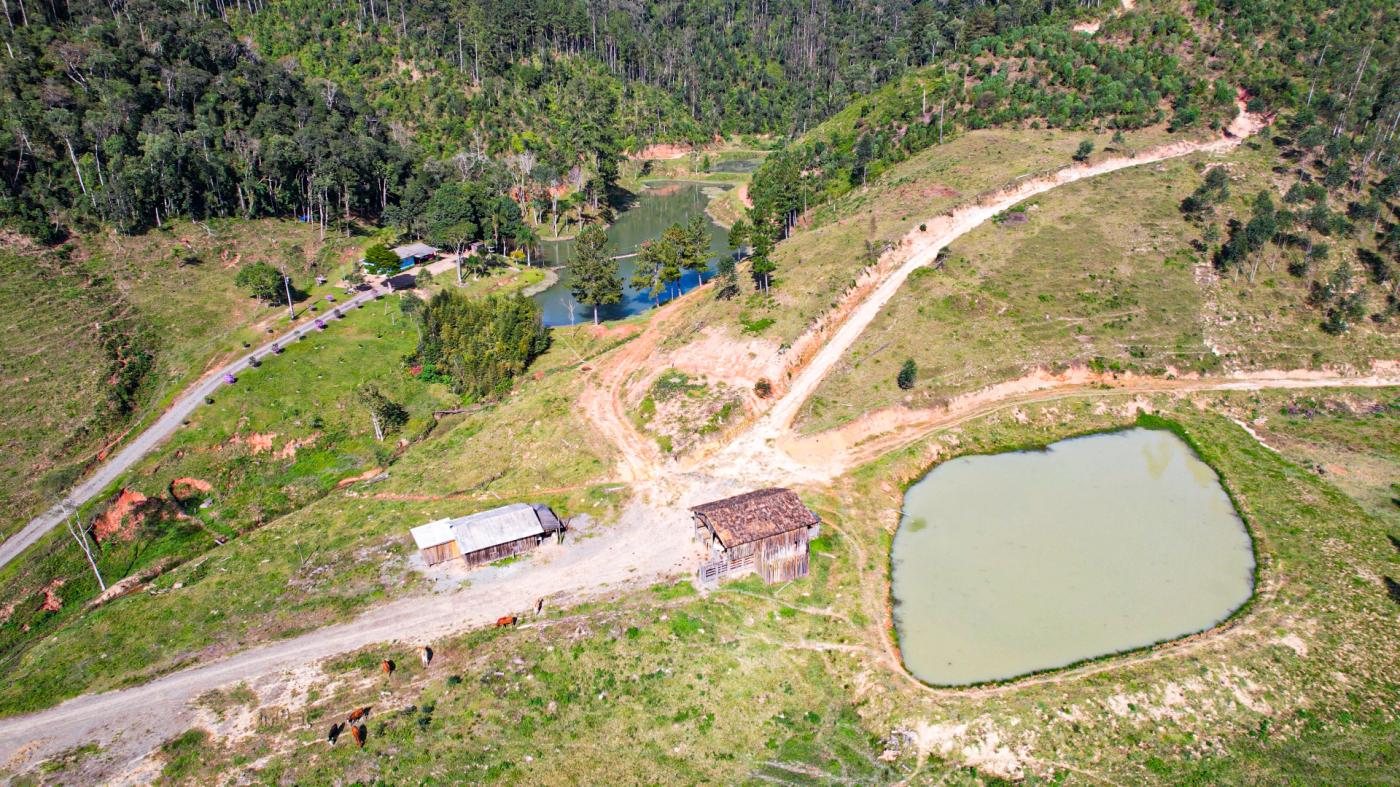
508, 620
357, 714
425, 654
334, 734
358, 732
539, 605
387, 665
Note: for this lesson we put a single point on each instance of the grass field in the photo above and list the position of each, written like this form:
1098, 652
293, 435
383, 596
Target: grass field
299, 553
792, 684
172, 290
822, 259
1103, 273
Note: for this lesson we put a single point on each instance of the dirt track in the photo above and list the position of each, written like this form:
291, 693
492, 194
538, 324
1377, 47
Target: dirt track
653, 532
129, 723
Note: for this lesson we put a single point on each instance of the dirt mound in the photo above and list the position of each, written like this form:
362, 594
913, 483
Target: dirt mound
289, 451
122, 516
52, 601
182, 488
255, 442
739, 362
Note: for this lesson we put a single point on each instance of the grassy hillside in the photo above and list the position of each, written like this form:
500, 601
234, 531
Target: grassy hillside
1105, 272
792, 683
273, 449
108, 328
838, 240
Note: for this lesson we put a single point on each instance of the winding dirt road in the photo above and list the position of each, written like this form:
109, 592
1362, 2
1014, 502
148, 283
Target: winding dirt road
654, 530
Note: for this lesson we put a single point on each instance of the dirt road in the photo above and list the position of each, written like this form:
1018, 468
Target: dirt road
153, 435
642, 548
757, 446
653, 538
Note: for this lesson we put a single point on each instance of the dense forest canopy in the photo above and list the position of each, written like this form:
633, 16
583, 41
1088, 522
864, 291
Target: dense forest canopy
134, 111
728, 66
146, 109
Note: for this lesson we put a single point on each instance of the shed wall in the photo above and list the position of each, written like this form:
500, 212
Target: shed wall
500, 551
445, 551
782, 557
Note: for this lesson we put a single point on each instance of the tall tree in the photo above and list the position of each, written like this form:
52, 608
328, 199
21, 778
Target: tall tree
594, 271
695, 242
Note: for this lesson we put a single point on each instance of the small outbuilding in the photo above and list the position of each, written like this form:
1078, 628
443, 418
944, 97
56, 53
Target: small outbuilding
411, 254
486, 536
766, 531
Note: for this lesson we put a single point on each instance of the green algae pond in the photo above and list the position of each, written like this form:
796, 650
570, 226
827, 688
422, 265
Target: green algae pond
1009, 564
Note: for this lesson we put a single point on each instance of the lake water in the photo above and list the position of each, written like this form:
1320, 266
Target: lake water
655, 209
1015, 563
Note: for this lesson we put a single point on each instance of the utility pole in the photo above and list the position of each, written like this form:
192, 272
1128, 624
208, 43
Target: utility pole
287, 285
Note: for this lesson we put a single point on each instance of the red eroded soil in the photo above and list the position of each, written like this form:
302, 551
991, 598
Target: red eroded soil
121, 517
52, 601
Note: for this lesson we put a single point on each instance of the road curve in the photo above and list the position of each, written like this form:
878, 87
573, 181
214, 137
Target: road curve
151, 437
128, 723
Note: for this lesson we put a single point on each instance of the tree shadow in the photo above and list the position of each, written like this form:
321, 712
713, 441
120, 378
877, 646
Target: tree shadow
1392, 588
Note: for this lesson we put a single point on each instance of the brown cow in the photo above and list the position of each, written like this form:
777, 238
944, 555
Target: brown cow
387, 665
357, 731
357, 714
508, 620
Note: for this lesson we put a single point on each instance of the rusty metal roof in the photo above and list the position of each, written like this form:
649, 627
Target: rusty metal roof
755, 515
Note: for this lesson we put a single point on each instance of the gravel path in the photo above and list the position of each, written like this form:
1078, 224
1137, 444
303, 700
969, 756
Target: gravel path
651, 542
153, 436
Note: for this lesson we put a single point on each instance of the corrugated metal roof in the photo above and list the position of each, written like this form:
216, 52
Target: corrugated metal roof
432, 534
497, 526
414, 250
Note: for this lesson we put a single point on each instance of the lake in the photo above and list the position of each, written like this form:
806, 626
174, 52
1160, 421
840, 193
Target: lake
1014, 563
657, 207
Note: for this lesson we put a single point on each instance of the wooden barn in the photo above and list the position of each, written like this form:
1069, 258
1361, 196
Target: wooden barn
765, 531
486, 536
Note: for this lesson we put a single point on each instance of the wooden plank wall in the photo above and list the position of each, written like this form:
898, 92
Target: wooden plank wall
783, 557
500, 551
434, 555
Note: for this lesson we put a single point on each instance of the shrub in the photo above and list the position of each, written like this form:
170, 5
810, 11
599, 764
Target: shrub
482, 343
762, 388
381, 261
908, 373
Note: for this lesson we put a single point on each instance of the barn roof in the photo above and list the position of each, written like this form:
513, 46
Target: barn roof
755, 516
432, 534
497, 526
414, 250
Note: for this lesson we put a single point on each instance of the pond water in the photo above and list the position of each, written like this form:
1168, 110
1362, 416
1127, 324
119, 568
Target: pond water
1015, 563
656, 208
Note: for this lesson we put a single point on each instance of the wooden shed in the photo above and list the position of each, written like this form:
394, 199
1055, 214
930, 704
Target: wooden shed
766, 531
486, 536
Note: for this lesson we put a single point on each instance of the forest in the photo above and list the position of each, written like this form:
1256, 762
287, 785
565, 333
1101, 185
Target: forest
1328, 72
133, 112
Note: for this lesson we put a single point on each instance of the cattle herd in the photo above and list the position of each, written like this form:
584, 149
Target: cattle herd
355, 720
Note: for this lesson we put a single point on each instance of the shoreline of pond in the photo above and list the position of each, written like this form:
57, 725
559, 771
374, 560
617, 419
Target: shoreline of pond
1248, 558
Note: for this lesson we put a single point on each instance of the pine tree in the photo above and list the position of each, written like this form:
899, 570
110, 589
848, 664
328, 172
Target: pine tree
596, 280
696, 255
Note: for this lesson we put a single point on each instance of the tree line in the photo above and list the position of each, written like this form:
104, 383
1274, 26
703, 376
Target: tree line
1329, 68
